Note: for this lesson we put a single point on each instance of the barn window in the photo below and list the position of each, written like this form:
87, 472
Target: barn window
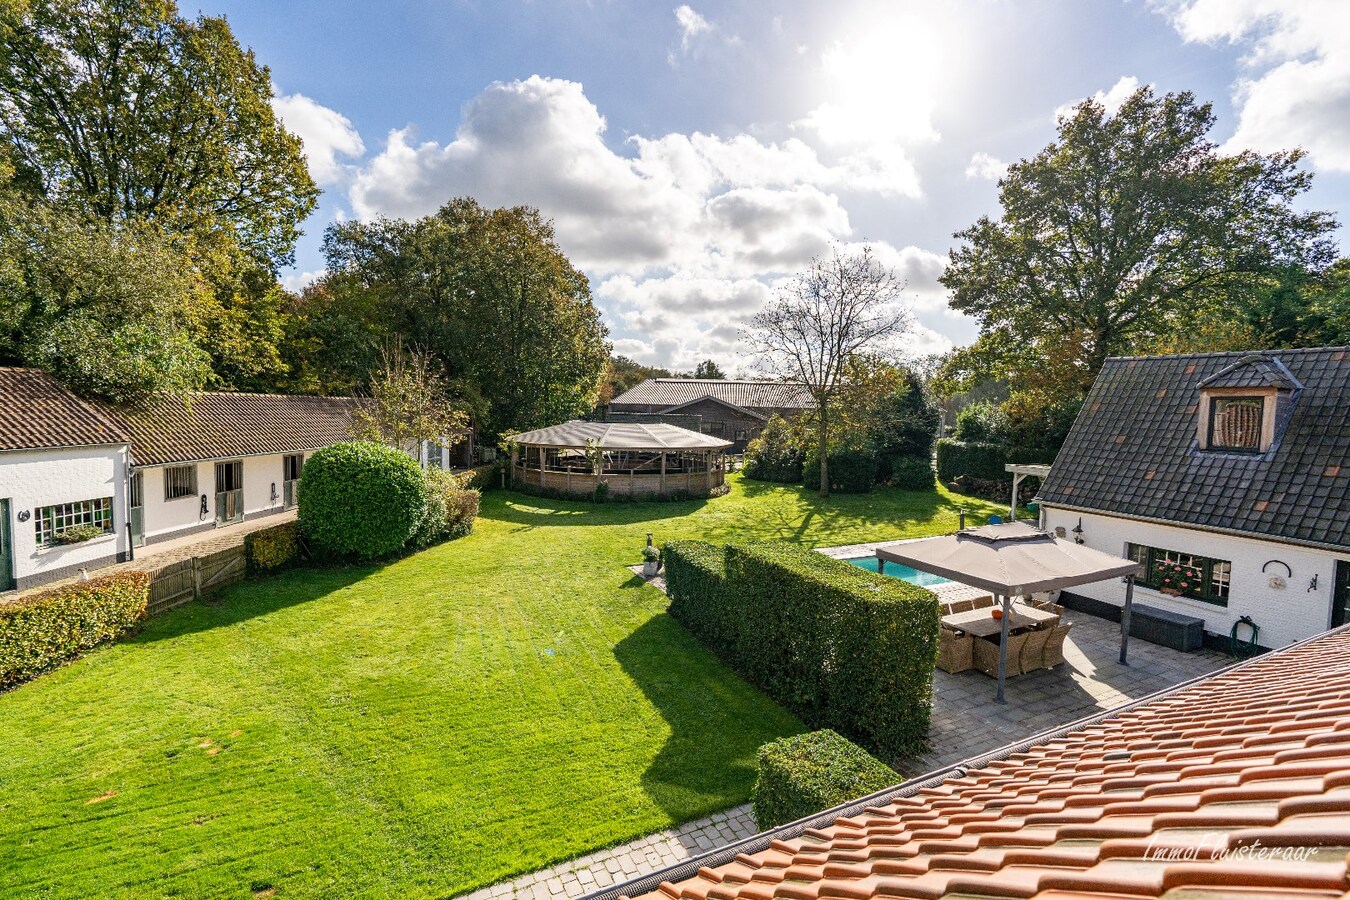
50, 521
180, 481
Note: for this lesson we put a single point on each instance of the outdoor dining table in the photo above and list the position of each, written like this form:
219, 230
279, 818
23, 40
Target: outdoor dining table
981, 622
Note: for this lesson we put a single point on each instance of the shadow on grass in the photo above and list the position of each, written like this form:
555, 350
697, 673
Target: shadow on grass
717, 721
251, 598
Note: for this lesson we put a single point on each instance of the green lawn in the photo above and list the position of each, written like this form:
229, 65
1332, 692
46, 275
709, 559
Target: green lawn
480, 709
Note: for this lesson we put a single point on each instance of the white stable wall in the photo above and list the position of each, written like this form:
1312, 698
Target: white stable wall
37, 478
1284, 615
173, 518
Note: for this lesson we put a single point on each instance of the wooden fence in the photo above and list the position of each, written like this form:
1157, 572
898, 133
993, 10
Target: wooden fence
178, 582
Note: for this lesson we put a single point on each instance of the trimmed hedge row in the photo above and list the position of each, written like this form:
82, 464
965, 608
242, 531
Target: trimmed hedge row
841, 647
851, 471
43, 631
272, 547
978, 460
807, 773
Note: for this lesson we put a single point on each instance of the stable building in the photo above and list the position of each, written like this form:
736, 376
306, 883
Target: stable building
1226, 476
83, 485
732, 410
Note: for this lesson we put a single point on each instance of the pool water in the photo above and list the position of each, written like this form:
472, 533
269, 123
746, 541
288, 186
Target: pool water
895, 570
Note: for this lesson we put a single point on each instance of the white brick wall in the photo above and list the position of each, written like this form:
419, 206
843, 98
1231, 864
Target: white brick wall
1284, 615
37, 478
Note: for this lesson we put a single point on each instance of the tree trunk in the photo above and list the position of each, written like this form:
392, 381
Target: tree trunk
823, 443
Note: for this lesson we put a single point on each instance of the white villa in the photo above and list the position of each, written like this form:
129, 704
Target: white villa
1233, 466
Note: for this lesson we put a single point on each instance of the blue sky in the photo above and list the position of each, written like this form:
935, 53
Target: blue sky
695, 156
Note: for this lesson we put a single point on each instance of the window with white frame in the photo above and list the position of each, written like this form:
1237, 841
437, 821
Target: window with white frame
179, 482
50, 521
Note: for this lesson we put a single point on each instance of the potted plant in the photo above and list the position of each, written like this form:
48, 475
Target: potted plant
1175, 579
651, 561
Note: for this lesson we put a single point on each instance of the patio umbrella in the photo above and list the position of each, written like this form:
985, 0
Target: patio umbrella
1011, 560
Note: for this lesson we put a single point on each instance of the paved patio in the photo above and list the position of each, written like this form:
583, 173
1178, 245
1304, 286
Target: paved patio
966, 722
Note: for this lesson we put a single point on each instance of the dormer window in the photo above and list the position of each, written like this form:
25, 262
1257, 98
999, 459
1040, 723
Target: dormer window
1235, 423
1241, 405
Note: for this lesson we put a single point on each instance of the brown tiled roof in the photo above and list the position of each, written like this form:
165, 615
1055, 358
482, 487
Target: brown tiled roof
37, 412
757, 395
224, 425
1235, 785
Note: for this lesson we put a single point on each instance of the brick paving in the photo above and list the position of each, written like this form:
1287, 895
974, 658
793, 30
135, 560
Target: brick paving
966, 722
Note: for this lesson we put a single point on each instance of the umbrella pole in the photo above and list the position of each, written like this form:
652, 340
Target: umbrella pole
1125, 620
1003, 649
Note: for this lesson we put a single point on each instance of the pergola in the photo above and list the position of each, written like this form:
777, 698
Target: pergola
1012, 560
1020, 471
632, 458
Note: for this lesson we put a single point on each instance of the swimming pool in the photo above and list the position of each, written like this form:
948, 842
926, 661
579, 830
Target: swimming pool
895, 570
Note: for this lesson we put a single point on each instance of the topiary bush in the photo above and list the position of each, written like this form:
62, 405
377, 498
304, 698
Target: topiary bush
775, 455
40, 632
809, 773
841, 647
361, 499
271, 548
911, 473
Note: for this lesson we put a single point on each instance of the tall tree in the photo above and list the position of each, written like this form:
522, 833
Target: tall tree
108, 309
1127, 231
127, 110
709, 370
843, 306
488, 292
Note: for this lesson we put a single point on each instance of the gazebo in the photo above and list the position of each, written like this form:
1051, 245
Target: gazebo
632, 458
1011, 560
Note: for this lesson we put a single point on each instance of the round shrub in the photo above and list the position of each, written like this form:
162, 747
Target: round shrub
361, 499
451, 508
851, 471
774, 455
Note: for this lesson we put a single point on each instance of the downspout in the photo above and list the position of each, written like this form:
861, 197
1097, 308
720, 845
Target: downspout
126, 467
759, 842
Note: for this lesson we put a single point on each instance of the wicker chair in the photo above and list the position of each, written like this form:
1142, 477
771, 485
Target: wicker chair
1033, 651
1054, 646
960, 606
983, 602
955, 649
986, 655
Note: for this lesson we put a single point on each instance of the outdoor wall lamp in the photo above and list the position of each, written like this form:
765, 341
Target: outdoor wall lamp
1078, 531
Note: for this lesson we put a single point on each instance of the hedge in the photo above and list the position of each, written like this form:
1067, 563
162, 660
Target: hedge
272, 547
986, 461
809, 773
361, 499
912, 473
851, 471
43, 631
451, 508
841, 647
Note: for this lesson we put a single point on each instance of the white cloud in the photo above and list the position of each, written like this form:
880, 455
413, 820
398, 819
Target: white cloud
1111, 99
326, 133
1296, 88
691, 24
983, 165
684, 236
295, 282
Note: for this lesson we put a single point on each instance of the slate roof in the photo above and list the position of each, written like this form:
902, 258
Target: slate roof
1250, 760
226, 425
620, 436
756, 395
37, 412
1133, 451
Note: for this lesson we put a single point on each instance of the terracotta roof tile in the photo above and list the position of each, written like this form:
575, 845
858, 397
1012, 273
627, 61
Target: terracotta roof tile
754, 395
1237, 785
